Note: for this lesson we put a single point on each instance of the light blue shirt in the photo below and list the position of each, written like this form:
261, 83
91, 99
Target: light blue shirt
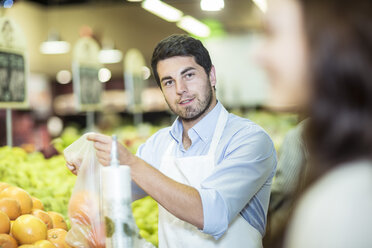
241, 181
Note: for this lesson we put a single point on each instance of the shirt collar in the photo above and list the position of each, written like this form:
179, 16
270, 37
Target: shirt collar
204, 129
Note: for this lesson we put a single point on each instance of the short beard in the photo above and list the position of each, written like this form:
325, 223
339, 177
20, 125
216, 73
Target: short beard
204, 107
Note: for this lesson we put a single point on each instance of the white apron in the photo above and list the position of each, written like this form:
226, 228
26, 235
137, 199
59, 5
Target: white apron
173, 232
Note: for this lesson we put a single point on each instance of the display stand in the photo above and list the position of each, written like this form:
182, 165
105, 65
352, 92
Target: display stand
135, 83
87, 87
13, 72
90, 121
9, 135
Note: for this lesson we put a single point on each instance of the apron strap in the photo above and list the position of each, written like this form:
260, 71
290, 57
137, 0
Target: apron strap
221, 123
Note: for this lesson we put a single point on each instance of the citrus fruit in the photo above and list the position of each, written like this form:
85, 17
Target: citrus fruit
7, 241
4, 223
44, 216
27, 246
11, 207
83, 207
3, 186
20, 195
28, 229
44, 244
57, 237
36, 203
58, 220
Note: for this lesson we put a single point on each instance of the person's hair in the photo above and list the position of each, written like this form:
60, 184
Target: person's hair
339, 35
180, 45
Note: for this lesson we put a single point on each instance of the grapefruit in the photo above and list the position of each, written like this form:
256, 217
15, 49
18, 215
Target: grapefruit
44, 216
58, 220
7, 241
83, 207
4, 223
27, 229
44, 244
20, 195
3, 186
11, 207
57, 236
36, 203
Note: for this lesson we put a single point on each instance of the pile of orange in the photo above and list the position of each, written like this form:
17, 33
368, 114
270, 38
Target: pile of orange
25, 224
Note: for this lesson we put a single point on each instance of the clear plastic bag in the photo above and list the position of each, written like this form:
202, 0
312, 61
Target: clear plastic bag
85, 208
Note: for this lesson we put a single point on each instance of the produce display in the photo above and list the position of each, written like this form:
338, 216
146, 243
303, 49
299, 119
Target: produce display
23, 220
35, 191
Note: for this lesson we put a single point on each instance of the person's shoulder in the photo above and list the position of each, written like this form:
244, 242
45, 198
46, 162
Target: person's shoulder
347, 178
335, 205
245, 127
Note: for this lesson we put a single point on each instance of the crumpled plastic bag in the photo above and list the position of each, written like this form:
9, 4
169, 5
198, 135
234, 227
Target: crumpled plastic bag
85, 209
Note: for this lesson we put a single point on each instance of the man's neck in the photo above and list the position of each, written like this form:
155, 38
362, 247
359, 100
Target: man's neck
188, 124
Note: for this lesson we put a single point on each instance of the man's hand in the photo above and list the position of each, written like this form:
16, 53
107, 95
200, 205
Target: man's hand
102, 144
73, 166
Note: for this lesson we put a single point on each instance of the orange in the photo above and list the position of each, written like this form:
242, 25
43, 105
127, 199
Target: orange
44, 244
19, 194
57, 236
7, 241
36, 203
11, 207
83, 207
58, 220
98, 236
28, 229
44, 216
3, 186
4, 223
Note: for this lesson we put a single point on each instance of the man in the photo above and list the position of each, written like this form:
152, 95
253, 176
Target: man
211, 171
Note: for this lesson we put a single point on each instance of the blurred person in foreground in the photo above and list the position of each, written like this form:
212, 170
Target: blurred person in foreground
211, 171
284, 56
332, 47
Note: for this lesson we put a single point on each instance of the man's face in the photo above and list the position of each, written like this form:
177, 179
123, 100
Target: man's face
186, 87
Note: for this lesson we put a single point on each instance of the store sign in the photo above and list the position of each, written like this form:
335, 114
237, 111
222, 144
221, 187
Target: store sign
134, 79
85, 67
13, 66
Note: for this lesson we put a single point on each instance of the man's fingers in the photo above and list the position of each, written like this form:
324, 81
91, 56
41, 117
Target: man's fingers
104, 162
102, 147
96, 137
72, 168
103, 155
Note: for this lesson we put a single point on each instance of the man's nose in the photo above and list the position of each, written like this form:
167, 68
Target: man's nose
181, 87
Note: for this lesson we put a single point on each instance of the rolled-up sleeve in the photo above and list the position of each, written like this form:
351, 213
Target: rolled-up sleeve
248, 162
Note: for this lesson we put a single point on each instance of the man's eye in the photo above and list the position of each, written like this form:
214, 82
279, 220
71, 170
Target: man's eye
167, 83
189, 75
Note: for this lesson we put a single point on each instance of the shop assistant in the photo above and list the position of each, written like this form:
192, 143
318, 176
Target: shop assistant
211, 171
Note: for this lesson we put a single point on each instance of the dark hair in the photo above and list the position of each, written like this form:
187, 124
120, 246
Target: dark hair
180, 45
339, 34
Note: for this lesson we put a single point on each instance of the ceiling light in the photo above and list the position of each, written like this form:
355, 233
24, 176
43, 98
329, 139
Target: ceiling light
104, 75
63, 77
134, 1
194, 26
54, 126
146, 73
162, 10
261, 4
110, 56
212, 5
8, 4
54, 45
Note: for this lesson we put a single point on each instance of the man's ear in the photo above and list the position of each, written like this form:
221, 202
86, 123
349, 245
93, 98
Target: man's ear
212, 76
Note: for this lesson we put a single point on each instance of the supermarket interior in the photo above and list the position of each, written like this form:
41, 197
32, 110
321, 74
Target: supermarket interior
72, 67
